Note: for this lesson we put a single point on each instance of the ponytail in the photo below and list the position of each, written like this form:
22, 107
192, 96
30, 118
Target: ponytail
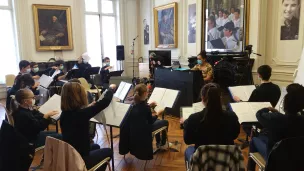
139, 92
17, 99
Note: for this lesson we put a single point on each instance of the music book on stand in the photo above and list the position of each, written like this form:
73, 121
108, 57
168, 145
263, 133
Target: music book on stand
246, 111
163, 98
187, 111
123, 90
54, 103
243, 92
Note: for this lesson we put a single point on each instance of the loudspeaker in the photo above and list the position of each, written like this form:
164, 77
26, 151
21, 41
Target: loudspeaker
120, 52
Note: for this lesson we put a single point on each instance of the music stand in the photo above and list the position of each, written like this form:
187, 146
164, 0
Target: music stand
74, 73
116, 73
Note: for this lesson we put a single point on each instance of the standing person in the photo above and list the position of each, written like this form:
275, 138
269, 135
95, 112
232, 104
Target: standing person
225, 18
229, 39
204, 67
75, 119
279, 126
231, 16
290, 22
237, 20
213, 32
105, 71
220, 18
212, 126
30, 123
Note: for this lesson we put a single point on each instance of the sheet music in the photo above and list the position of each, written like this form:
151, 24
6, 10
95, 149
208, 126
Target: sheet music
246, 111
54, 103
243, 92
279, 105
157, 95
186, 112
45, 81
55, 73
198, 107
120, 88
169, 98
125, 91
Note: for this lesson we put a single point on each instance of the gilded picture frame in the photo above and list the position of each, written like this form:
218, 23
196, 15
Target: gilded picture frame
166, 26
243, 8
53, 27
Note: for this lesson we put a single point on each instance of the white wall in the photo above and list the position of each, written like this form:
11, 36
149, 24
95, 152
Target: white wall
26, 34
184, 49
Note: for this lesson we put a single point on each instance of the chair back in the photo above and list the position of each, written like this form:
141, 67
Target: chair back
286, 155
59, 155
7, 114
97, 80
217, 157
10, 80
84, 83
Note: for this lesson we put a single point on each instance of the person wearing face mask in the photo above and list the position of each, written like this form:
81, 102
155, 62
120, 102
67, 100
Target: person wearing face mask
25, 68
105, 71
30, 123
137, 127
204, 66
211, 126
290, 21
58, 67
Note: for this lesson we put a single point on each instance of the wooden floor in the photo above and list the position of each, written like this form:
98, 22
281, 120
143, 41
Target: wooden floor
162, 161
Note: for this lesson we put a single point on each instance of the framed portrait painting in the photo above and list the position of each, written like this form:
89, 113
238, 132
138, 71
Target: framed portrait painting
226, 25
165, 26
53, 27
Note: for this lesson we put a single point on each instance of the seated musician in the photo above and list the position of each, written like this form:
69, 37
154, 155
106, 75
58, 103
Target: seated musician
267, 91
58, 67
204, 66
82, 65
279, 126
212, 126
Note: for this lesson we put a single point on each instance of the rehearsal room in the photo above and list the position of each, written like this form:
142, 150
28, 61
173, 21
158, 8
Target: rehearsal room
152, 85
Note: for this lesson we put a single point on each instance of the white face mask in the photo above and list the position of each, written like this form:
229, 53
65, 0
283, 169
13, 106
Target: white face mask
28, 70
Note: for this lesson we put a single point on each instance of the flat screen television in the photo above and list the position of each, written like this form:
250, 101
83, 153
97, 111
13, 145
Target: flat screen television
162, 55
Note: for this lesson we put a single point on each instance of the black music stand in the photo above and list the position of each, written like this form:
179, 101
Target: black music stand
116, 73
74, 73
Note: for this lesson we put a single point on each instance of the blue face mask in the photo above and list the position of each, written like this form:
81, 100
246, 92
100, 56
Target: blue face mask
199, 62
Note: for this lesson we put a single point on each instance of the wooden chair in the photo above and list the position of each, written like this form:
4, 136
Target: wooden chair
60, 145
10, 80
159, 131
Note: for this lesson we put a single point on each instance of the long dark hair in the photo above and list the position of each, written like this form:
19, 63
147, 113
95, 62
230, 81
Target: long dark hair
211, 95
294, 99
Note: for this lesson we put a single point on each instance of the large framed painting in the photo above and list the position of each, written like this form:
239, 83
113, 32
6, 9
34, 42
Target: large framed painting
165, 26
53, 27
225, 25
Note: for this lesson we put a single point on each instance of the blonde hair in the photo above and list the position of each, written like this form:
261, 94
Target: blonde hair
73, 97
139, 92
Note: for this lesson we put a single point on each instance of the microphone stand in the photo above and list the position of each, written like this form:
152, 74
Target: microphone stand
133, 46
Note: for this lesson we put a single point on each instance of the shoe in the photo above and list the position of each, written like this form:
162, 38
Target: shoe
165, 146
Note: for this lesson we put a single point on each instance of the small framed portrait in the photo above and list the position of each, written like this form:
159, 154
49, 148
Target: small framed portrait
53, 27
165, 26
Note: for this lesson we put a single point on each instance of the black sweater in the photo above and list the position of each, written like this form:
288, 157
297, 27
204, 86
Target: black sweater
280, 126
29, 123
266, 92
75, 124
105, 75
223, 132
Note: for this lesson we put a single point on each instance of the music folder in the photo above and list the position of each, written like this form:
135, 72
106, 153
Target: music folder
243, 92
187, 111
163, 98
114, 114
246, 111
116, 73
54, 103
45, 81
217, 44
123, 90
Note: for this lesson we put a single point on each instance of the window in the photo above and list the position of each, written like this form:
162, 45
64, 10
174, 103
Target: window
8, 44
102, 30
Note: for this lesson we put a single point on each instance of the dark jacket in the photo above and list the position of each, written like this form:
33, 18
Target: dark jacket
290, 32
82, 68
15, 152
280, 126
223, 132
136, 132
266, 92
29, 123
104, 75
75, 124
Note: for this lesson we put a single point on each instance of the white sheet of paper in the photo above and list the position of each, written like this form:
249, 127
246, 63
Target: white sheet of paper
125, 91
243, 92
54, 103
246, 111
169, 98
279, 105
45, 81
198, 107
120, 88
157, 95
186, 112
55, 73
